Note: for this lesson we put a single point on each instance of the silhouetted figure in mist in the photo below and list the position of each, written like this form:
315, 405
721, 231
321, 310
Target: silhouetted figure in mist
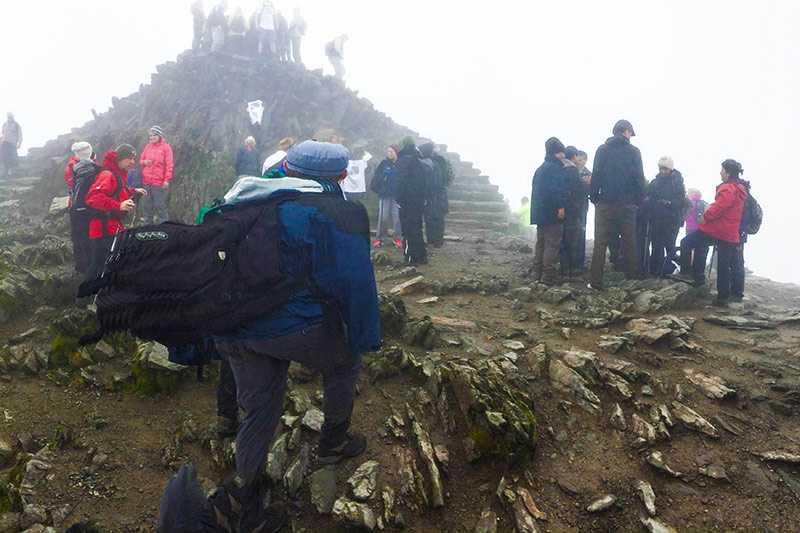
413, 179
437, 206
217, 30
335, 52
266, 23
198, 24
297, 30
10, 142
238, 29
282, 37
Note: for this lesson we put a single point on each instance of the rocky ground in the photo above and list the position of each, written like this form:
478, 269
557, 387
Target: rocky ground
495, 405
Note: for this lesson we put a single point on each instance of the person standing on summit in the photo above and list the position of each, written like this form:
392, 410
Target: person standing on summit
665, 208
548, 211
157, 167
10, 142
268, 44
335, 52
297, 30
199, 23
617, 190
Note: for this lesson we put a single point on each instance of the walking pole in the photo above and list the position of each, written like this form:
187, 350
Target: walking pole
711, 263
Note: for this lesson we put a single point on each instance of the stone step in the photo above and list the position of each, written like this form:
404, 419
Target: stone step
454, 224
478, 206
474, 187
488, 216
469, 196
461, 178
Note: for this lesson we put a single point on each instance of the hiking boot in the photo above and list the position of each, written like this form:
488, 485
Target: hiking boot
353, 445
377, 243
227, 427
690, 280
398, 244
721, 302
594, 287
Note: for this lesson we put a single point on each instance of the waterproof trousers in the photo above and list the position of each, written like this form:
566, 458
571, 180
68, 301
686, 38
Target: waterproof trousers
388, 217
738, 274
545, 259
662, 241
260, 368
435, 214
610, 221
694, 251
99, 248
227, 405
573, 249
154, 205
81, 245
413, 239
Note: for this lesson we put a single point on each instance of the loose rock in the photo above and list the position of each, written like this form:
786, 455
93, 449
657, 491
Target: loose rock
323, 489
602, 504
693, 420
354, 514
364, 480
654, 526
617, 419
647, 496
296, 472
656, 460
487, 523
713, 387
313, 420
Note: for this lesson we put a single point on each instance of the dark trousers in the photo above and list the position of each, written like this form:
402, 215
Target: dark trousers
662, 240
81, 246
413, 238
154, 205
226, 392
610, 221
573, 248
434, 223
260, 368
8, 157
99, 248
694, 251
545, 258
737, 279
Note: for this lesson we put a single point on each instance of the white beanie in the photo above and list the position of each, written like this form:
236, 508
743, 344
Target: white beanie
666, 162
82, 150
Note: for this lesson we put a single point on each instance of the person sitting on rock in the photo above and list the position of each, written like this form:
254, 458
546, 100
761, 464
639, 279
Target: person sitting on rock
548, 210
720, 226
247, 159
664, 205
275, 161
111, 199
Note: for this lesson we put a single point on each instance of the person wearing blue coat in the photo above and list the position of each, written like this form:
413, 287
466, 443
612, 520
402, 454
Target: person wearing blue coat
549, 202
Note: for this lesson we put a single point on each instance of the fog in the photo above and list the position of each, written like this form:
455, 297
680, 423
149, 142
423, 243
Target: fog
701, 81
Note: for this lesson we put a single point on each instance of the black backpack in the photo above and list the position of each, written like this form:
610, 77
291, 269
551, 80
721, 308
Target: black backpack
752, 216
85, 173
177, 283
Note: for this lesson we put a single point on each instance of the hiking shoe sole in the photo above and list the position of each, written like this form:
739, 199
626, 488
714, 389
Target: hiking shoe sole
353, 446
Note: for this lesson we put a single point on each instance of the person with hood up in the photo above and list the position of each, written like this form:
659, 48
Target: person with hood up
111, 199
438, 205
10, 142
276, 160
384, 184
548, 211
297, 30
157, 167
247, 159
334, 50
720, 226
617, 190
573, 247
413, 180
665, 207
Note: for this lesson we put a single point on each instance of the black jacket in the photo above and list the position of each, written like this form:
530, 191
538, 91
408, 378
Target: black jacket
549, 192
247, 163
413, 179
666, 199
618, 176
577, 195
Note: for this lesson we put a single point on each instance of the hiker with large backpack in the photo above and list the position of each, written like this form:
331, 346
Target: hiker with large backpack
108, 199
720, 226
752, 217
413, 181
438, 205
78, 216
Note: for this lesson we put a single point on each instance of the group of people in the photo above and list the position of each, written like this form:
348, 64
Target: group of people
411, 184
637, 221
267, 33
102, 195
10, 143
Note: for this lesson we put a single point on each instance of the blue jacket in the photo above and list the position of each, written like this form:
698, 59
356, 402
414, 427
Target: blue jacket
384, 180
549, 192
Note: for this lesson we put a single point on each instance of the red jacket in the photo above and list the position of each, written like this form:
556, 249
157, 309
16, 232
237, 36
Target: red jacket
159, 171
69, 177
724, 216
100, 197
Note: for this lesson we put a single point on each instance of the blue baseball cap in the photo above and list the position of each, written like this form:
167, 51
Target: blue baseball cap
318, 159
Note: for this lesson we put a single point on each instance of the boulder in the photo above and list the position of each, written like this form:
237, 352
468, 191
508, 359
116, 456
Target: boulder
364, 481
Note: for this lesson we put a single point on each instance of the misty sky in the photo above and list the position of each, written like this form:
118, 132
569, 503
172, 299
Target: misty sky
701, 81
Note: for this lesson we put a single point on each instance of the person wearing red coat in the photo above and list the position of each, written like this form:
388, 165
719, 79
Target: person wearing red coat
720, 227
157, 166
111, 199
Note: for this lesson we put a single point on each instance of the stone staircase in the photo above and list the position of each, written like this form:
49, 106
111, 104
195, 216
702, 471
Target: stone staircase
476, 205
